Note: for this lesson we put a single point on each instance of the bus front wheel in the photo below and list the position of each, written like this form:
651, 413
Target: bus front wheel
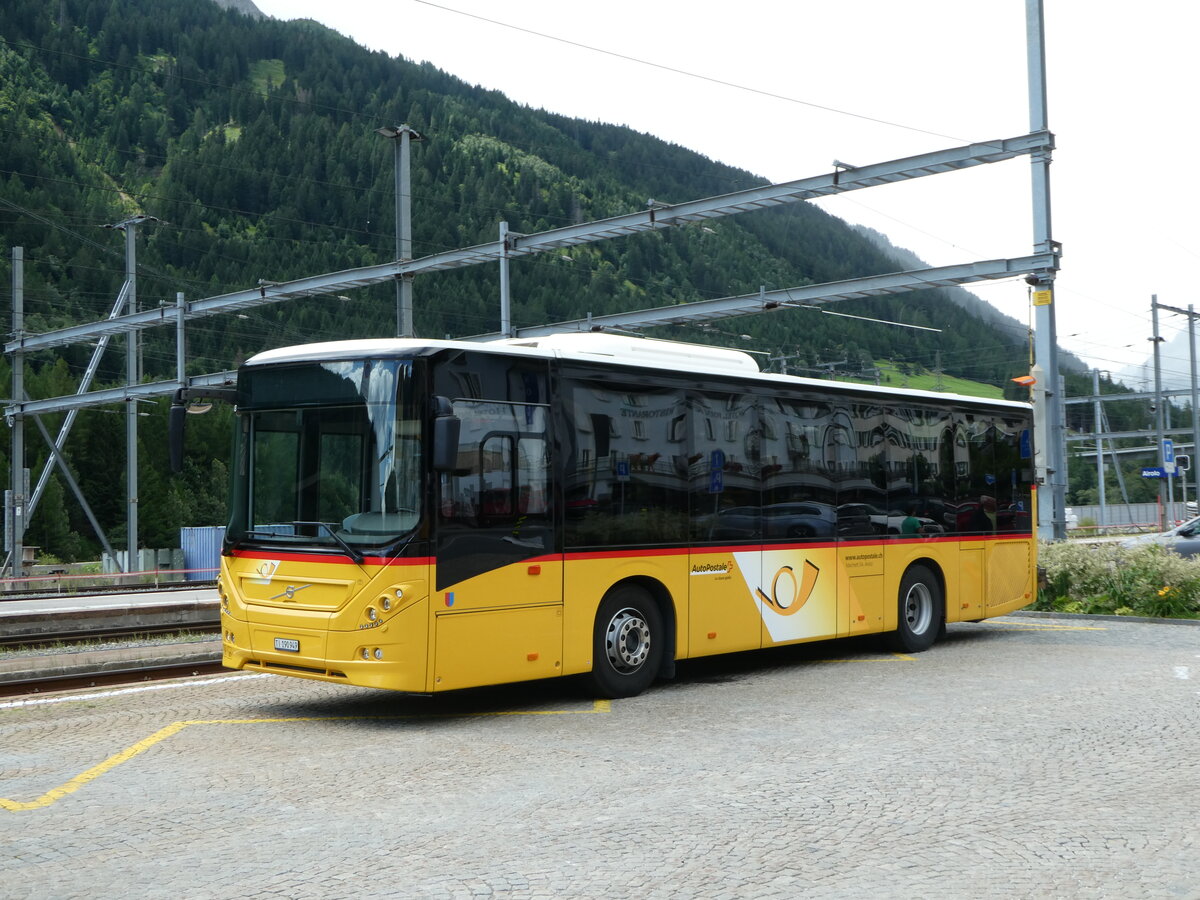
627, 644
921, 611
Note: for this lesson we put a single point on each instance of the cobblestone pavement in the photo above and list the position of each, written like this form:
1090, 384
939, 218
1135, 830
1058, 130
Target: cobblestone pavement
1018, 758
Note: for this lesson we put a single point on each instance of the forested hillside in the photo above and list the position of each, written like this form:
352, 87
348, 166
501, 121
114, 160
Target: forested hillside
253, 141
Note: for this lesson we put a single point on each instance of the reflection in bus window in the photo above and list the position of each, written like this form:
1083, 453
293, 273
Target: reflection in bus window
624, 473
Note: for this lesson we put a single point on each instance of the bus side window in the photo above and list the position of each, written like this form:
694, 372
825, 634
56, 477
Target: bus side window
978, 485
494, 488
533, 476
624, 469
504, 467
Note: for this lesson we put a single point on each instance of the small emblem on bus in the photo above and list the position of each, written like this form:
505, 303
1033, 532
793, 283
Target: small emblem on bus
265, 570
721, 568
290, 591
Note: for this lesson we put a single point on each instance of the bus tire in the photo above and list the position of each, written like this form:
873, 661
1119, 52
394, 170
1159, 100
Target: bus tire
628, 642
921, 607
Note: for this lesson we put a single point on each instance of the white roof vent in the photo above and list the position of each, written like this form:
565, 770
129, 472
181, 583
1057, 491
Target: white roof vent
642, 352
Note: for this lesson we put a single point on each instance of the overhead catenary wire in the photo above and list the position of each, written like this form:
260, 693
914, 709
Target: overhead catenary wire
711, 79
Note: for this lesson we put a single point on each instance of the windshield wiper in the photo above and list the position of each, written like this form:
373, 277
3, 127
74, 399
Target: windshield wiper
249, 533
352, 552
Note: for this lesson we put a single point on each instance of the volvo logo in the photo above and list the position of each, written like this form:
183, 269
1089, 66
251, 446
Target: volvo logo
290, 591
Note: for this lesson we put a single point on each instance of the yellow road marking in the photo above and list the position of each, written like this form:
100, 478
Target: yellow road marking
95, 772
1020, 625
70, 787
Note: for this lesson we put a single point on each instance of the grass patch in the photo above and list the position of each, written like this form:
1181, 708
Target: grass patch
265, 73
890, 375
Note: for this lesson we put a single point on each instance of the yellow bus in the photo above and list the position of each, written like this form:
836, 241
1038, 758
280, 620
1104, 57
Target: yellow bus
425, 516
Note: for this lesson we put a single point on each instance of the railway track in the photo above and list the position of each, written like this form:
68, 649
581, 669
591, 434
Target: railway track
105, 590
84, 637
105, 655
53, 684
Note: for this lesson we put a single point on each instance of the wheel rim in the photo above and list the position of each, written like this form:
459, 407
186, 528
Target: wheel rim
627, 640
918, 608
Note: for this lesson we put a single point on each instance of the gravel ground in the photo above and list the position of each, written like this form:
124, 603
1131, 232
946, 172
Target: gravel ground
122, 643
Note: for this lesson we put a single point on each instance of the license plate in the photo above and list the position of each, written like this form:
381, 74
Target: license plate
292, 646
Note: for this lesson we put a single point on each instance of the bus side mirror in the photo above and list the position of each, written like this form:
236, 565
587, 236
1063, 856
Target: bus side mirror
178, 415
446, 430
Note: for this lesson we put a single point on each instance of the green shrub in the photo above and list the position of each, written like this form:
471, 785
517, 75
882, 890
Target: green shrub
1107, 578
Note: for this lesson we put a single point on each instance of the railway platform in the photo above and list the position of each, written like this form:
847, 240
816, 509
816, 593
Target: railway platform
95, 619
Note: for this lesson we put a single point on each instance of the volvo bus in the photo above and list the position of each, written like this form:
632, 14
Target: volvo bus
425, 516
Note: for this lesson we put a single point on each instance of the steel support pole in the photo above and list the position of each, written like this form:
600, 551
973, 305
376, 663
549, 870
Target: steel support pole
180, 344
16, 536
1052, 524
1158, 412
404, 230
131, 412
505, 295
1097, 413
1195, 404
402, 137
397, 164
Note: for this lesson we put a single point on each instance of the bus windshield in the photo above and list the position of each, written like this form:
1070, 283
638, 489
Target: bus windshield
328, 454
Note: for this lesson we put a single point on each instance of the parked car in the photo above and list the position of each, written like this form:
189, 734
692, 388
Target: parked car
790, 519
800, 520
1183, 539
856, 519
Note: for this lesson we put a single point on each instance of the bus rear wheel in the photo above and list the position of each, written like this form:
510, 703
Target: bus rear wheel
627, 644
921, 611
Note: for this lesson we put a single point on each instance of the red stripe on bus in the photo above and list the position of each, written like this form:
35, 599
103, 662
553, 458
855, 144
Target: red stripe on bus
335, 559
626, 554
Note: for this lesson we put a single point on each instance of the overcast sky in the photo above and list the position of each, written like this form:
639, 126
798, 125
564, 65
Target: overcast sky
867, 81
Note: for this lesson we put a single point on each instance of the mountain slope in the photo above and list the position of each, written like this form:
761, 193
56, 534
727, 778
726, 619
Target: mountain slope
253, 141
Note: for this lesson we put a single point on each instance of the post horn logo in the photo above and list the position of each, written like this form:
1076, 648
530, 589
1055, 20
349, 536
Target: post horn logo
787, 594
